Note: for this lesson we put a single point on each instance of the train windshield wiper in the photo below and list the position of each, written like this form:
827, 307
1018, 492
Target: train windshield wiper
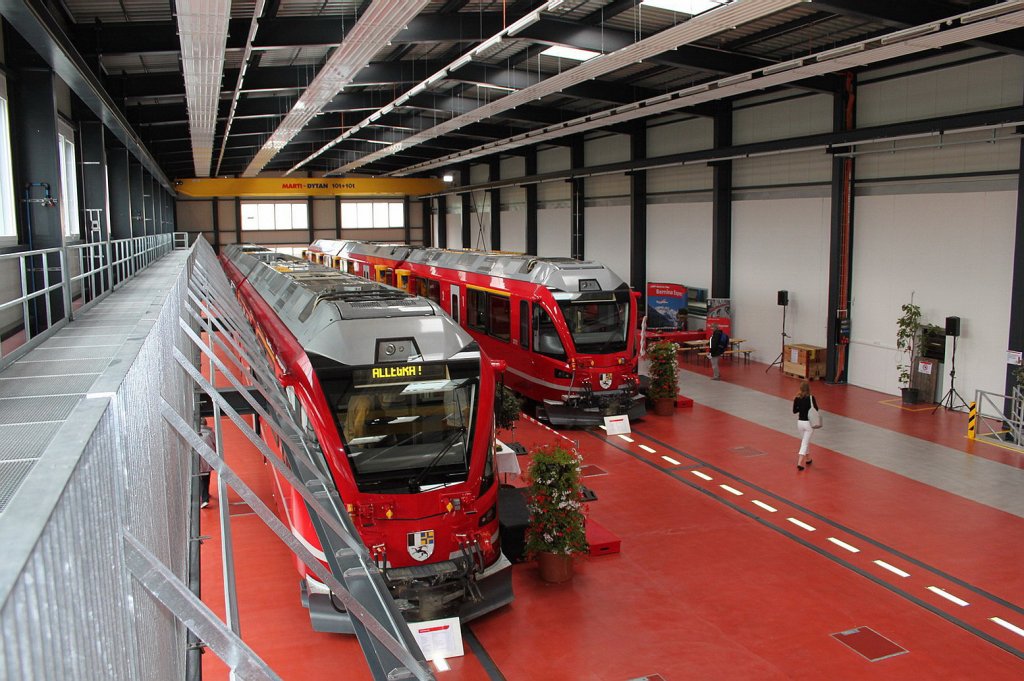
414, 483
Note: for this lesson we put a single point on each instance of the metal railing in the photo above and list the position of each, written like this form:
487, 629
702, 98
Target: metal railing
56, 283
1001, 417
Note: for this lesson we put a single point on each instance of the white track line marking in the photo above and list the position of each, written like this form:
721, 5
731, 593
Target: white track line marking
671, 460
626, 438
891, 568
948, 596
800, 523
649, 450
770, 509
1006, 625
731, 490
701, 475
837, 542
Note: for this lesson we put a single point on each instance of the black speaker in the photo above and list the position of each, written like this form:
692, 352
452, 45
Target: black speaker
952, 326
783, 297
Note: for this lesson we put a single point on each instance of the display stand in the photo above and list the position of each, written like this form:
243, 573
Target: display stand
778, 360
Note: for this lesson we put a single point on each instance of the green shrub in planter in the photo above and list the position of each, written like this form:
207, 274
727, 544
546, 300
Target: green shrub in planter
664, 371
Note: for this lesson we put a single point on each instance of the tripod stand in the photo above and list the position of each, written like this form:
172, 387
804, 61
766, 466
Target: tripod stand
778, 360
952, 397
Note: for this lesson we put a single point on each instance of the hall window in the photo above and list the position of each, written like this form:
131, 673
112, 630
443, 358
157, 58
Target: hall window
372, 214
68, 180
8, 226
274, 215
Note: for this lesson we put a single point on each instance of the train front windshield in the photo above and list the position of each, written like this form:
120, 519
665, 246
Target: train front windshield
406, 427
598, 322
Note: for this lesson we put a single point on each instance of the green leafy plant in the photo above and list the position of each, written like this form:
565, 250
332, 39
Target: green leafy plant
908, 335
555, 502
508, 407
664, 358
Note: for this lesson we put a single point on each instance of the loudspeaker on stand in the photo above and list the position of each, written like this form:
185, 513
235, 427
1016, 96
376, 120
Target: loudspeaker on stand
783, 297
952, 326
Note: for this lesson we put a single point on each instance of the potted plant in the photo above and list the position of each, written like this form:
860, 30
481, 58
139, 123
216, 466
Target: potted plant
508, 406
908, 333
555, 500
664, 370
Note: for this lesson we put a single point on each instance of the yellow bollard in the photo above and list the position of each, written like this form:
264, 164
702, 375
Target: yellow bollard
972, 420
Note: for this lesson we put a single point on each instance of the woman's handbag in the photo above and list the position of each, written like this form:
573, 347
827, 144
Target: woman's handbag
814, 417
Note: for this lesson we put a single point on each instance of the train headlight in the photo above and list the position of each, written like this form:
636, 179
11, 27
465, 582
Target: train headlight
489, 515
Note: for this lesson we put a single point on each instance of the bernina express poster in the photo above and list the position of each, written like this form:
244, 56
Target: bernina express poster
666, 306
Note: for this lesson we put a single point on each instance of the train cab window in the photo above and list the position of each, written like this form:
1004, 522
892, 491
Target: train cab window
524, 324
499, 323
545, 335
476, 309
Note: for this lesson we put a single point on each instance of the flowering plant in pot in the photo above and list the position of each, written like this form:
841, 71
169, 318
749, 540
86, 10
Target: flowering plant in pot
557, 526
664, 371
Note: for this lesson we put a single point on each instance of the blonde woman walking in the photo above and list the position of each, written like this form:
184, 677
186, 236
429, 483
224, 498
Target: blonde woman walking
802, 404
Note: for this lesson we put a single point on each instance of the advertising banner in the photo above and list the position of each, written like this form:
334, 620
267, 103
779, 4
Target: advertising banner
666, 306
720, 313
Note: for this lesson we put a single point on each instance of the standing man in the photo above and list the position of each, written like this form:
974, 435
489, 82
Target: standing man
716, 346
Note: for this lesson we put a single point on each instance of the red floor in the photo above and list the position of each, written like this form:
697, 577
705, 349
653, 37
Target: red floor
709, 584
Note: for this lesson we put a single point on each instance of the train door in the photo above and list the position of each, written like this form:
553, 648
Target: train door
455, 303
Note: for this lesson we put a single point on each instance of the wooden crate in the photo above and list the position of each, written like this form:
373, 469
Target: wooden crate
803, 361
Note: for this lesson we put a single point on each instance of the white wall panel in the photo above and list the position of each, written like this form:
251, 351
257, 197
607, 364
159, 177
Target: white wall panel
195, 216
454, 227
607, 238
553, 232
325, 215
954, 252
513, 198
679, 243
606, 149
986, 84
778, 120
679, 137
679, 179
780, 244
550, 192
606, 187
513, 230
550, 160
479, 172
797, 168
227, 217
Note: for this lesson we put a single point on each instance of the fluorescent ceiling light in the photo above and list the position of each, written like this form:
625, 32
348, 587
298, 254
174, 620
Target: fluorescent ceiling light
690, 7
989, 12
916, 32
570, 53
491, 86
448, 177
783, 66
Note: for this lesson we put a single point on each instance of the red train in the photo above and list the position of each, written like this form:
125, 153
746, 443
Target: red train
401, 402
564, 327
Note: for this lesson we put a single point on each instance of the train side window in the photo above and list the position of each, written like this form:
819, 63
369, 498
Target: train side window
499, 311
545, 335
524, 324
476, 309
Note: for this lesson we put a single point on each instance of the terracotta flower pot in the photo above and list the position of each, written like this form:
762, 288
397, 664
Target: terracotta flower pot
664, 406
555, 568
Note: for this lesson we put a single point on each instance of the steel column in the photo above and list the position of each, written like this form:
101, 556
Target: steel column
442, 222
840, 238
405, 220
1015, 340
531, 202
148, 203
494, 173
467, 206
428, 228
120, 194
721, 216
577, 226
138, 203
638, 212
